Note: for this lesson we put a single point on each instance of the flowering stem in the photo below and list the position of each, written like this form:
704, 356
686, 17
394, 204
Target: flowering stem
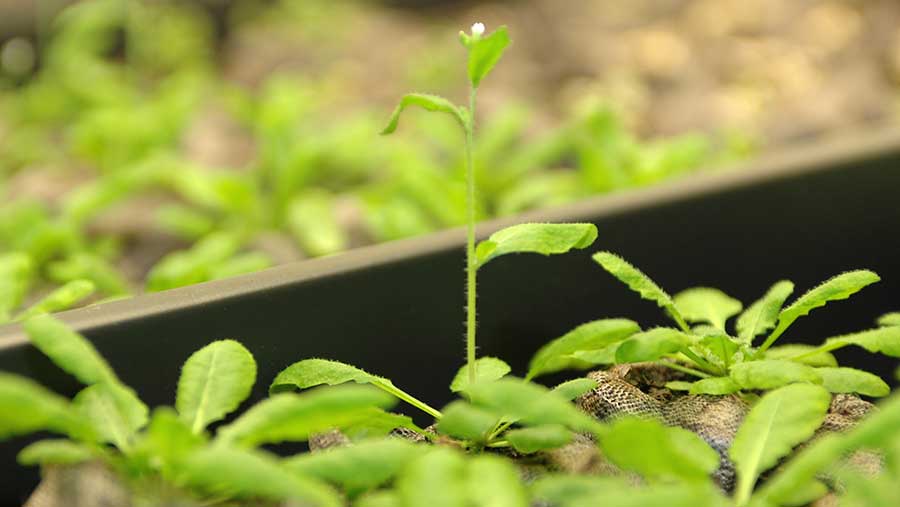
471, 263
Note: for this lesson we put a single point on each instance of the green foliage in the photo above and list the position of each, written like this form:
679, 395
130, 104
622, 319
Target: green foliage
544, 239
28, 407
462, 420
704, 304
574, 388
538, 438
640, 283
772, 373
55, 452
429, 103
213, 383
850, 380
61, 298
560, 353
658, 452
780, 420
16, 272
889, 319
762, 315
69, 351
484, 52
714, 385
652, 345
486, 369
113, 411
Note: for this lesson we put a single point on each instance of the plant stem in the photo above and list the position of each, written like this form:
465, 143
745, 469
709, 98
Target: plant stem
770, 340
471, 266
685, 369
408, 398
702, 363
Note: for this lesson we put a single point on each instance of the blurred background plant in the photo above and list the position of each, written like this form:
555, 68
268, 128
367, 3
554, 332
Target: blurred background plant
146, 145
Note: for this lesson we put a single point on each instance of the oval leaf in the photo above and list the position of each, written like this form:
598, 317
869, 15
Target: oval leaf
640, 283
294, 417
487, 369
544, 239
780, 420
656, 451
252, 474
770, 374
538, 438
214, 381
762, 315
68, 350
575, 388
113, 411
60, 299
705, 304
462, 420
599, 334
714, 385
495, 482
889, 319
652, 345
55, 452
427, 102
439, 470
850, 380
884, 340
28, 407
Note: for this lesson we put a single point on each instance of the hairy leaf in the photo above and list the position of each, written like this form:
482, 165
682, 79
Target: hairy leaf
484, 52
574, 388
714, 385
850, 380
429, 103
558, 354
252, 474
55, 452
359, 467
889, 319
705, 304
802, 353
762, 315
436, 479
462, 420
28, 407
640, 283
69, 350
884, 340
657, 451
544, 239
531, 404
652, 345
214, 381
538, 438
494, 482
113, 411
294, 417
769, 374
60, 299
839, 287
486, 369
721, 347
780, 420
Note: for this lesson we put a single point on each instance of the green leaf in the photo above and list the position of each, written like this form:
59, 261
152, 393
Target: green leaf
652, 345
889, 319
312, 220
429, 103
770, 374
584, 491
850, 380
436, 479
379, 498
494, 482
802, 353
714, 385
721, 346
16, 272
376, 423
294, 417
659, 452
705, 304
558, 354
60, 299
566, 490
214, 381
314, 372
531, 404
679, 385
462, 420
762, 315
55, 452
538, 438
113, 411
839, 287
544, 239
575, 388
359, 467
252, 474
484, 53
780, 420
167, 440
487, 369
68, 350
28, 407
640, 283
884, 340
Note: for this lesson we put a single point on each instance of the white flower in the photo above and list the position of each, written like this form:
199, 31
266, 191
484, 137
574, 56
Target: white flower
478, 29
